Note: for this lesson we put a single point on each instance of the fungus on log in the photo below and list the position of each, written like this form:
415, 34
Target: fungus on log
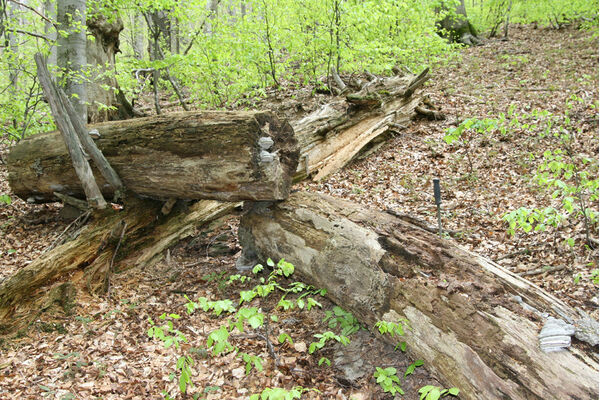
196, 155
469, 319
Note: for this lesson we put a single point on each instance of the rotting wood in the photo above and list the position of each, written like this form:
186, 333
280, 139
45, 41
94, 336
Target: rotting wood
196, 155
333, 135
84, 263
470, 319
81, 168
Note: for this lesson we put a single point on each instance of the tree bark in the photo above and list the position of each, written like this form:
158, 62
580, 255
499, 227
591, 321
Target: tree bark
455, 26
66, 124
334, 134
465, 318
85, 264
100, 53
198, 155
71, 51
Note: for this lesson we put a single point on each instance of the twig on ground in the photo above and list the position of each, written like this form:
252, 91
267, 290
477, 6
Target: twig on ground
80, 219
116, 250
542, 270
515, 253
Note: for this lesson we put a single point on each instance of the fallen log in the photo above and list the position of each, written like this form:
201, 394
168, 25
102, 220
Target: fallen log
334, 134
113, 242
197, 155
469, 318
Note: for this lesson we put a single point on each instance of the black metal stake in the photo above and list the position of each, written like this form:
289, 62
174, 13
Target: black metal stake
437, 189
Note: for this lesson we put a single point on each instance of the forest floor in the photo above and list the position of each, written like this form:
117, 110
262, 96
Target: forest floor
102, 349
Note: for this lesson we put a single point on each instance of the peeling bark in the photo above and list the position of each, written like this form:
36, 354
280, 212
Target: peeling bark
84, 263
198, 155
333, 135
464, 318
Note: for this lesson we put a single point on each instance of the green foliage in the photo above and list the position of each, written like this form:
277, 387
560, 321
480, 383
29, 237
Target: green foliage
343, 319
251, 361
218, 306
430, 392
324, 338
488, 15
412, 367
292, 40
565, 171
280, 394
184, 364
324, 360
166, 333
393, 329
4, 198
219, 341
464, 134
388, 380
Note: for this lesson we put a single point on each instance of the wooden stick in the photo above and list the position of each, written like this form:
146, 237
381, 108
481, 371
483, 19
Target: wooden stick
64, 124
542, 270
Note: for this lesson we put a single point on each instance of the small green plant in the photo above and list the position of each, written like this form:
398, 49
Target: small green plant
280, 393
412, 367
4, 198
430, 392
566, 172
250, 361
166, 333
219, 341
464, 134
184, 364
324, 338
218, 306
324, 360
393, 329
283, 337
388, 380
344, 319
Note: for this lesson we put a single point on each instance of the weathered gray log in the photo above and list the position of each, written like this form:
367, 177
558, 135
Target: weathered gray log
333, 135
467, 321
197, 155
67, 130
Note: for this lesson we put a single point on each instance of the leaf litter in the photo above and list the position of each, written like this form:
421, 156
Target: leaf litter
103, 351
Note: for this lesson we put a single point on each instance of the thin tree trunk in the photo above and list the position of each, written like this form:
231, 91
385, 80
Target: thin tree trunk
65, 125
138, 36
50, 30
71, 53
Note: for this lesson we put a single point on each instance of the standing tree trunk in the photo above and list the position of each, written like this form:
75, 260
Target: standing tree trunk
49, 30
455, 25
71, 52
101, 51
138, 36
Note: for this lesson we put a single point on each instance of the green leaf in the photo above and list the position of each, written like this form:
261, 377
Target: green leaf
454, 391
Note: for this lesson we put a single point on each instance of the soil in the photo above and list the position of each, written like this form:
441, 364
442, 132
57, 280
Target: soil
101, 348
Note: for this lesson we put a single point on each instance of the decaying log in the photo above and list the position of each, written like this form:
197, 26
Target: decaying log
67, 128
334, 134
85, 261
466, 319
197, 155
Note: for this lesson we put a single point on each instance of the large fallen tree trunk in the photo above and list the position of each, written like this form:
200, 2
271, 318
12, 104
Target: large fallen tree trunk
191, 155
111, 243
466, 313
228, 156
335, 133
